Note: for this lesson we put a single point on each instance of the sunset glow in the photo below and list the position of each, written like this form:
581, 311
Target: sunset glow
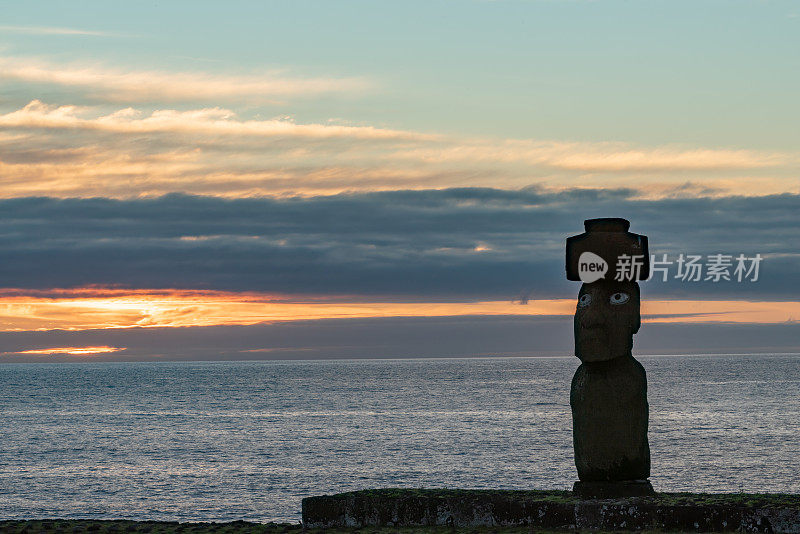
74, 351
177, 167
85, 309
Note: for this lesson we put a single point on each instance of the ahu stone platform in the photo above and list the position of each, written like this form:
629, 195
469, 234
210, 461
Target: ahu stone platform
554, 510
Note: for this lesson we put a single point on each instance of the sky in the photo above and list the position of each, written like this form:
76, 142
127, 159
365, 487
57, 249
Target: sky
256, 180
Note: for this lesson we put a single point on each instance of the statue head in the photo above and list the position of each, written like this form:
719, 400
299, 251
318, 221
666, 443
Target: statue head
606, 318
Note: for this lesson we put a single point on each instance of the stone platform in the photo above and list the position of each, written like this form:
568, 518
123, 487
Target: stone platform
555, 510
613, 490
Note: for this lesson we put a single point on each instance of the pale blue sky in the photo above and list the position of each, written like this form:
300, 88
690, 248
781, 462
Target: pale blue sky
716, 74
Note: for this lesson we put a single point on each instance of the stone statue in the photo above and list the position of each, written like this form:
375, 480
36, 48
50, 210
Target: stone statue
609, 390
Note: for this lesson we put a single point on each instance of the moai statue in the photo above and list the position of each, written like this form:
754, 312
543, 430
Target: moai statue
609, 390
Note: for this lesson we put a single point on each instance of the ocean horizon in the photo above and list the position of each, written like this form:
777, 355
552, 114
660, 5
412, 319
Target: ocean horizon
223, 441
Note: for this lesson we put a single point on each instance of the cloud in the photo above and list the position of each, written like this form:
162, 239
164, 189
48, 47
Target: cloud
70, 351
454, 244
395, 337
109, 84
88, 151
49, 30
208, 121
604, 156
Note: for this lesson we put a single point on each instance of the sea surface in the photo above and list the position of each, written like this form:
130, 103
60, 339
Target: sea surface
223, 441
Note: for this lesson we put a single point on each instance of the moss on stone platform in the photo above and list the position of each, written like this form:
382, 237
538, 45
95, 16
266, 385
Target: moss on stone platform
639, 514
553, 510
88, 526
564, 496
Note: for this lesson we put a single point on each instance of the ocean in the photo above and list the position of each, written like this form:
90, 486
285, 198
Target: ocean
221, 441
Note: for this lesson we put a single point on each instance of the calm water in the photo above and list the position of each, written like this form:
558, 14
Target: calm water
248, 440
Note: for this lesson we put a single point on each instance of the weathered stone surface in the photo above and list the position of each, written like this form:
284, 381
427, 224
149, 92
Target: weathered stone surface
609, 239
610, 490
608, 395
606, 318
609, 420
452, 508
554, 510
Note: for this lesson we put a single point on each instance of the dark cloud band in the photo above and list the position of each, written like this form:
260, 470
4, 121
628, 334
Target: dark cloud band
467, 243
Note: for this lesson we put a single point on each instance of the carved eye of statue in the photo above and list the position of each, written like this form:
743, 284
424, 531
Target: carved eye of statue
585, 300
619, 298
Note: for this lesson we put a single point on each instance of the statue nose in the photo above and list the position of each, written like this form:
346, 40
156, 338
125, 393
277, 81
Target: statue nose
592, 317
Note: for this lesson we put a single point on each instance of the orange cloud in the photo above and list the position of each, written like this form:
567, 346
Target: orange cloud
206, 121
99, 308
115, 85
600, 157
68, 152
74, 351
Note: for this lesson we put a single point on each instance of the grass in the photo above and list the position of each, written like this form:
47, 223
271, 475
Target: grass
561, 496
66, 526
667, 499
